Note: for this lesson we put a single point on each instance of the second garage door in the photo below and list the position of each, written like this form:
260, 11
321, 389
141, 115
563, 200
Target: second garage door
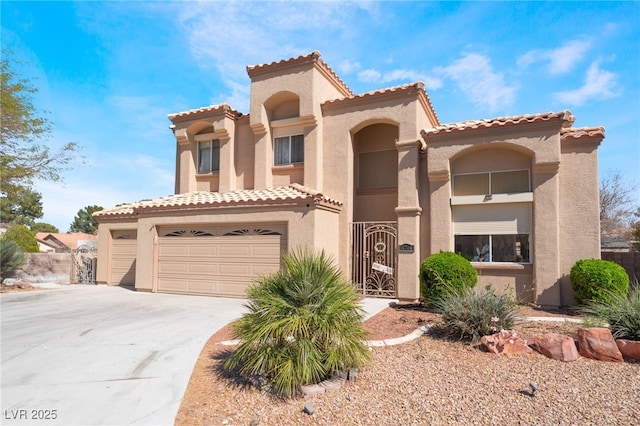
214, 262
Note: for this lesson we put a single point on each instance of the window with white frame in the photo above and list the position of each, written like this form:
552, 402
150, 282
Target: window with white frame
493, 232
288, 150
489, 183
208, 156
494, 248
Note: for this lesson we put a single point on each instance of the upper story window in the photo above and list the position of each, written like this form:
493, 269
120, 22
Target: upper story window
208, 156
289, 150
503, 182
378, 169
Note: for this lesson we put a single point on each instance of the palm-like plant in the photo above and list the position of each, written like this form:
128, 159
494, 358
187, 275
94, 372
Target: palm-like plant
304, 324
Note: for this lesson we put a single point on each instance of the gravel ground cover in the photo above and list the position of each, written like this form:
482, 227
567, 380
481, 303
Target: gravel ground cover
432, 380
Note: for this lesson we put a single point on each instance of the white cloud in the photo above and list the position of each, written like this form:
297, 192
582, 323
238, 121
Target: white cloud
598, 84
560, 60
370, 76
232, 35
347, 67
398, 75
475, 76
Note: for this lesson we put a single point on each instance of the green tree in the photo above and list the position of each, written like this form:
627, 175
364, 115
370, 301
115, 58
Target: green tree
23, 237
303, 325
24, 152
11, 257
20, 205
44, 227
84, 220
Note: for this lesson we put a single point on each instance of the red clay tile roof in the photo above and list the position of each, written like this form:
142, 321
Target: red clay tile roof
192, 113
314, 56
293, 192
582, 132
461, 126
419, 85
69, 240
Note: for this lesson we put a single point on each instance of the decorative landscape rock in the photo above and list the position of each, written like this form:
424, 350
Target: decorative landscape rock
629, 349
505, 342
598, 343
309, 408
312, 390
556, 346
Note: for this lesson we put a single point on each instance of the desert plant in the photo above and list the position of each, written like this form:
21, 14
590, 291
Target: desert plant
304, 324
24, 238
621, 313
597, 280
11, 257
471, 315
443, 272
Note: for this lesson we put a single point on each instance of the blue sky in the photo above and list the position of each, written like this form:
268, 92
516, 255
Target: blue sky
109, 73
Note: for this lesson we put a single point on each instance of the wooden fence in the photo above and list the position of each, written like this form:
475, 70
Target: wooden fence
630, 261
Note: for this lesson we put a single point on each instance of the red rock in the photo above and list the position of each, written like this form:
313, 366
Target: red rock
22, 285
629, 348
556, 346
599, 344
505, 342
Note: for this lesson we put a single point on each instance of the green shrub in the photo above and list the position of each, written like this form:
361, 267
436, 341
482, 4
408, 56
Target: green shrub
24, 238
621, 313
11, 257
596, 280
471, 315
304, 324
445, 271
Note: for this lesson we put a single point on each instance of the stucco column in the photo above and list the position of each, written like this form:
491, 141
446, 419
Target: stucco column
185, 165
546, 235
408, 213
262, 177
226, 174
313, 157
440, 211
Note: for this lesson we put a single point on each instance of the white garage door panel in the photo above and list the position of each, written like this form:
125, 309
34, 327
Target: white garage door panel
222, 266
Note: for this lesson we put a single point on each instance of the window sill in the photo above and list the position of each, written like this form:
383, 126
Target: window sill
377, 191
523, 197
207, 175
512, 266
285, 168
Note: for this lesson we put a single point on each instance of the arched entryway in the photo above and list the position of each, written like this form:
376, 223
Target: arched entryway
375, 197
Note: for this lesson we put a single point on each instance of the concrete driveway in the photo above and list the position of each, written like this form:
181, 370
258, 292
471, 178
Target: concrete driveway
99, 355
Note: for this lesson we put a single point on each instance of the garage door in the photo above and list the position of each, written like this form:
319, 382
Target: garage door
215, 261
123, 257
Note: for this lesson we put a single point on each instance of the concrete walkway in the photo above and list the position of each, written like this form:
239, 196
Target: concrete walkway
98, 355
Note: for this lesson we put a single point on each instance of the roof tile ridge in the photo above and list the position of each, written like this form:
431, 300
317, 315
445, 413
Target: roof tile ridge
314, 54
222, 106
334, 75
565, 115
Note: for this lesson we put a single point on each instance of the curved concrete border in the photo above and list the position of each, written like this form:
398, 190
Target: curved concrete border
424, 328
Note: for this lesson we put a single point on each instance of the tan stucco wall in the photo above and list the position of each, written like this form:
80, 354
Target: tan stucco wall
579, 221
306, 227
299, 96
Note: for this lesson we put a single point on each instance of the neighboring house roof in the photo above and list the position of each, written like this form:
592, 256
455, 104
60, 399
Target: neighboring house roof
63, 241
294, 192
614, 243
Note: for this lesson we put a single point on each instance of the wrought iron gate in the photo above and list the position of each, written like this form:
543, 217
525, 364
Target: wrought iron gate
83, 265
374, 257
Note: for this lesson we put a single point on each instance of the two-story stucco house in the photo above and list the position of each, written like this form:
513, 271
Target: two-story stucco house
373, 179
